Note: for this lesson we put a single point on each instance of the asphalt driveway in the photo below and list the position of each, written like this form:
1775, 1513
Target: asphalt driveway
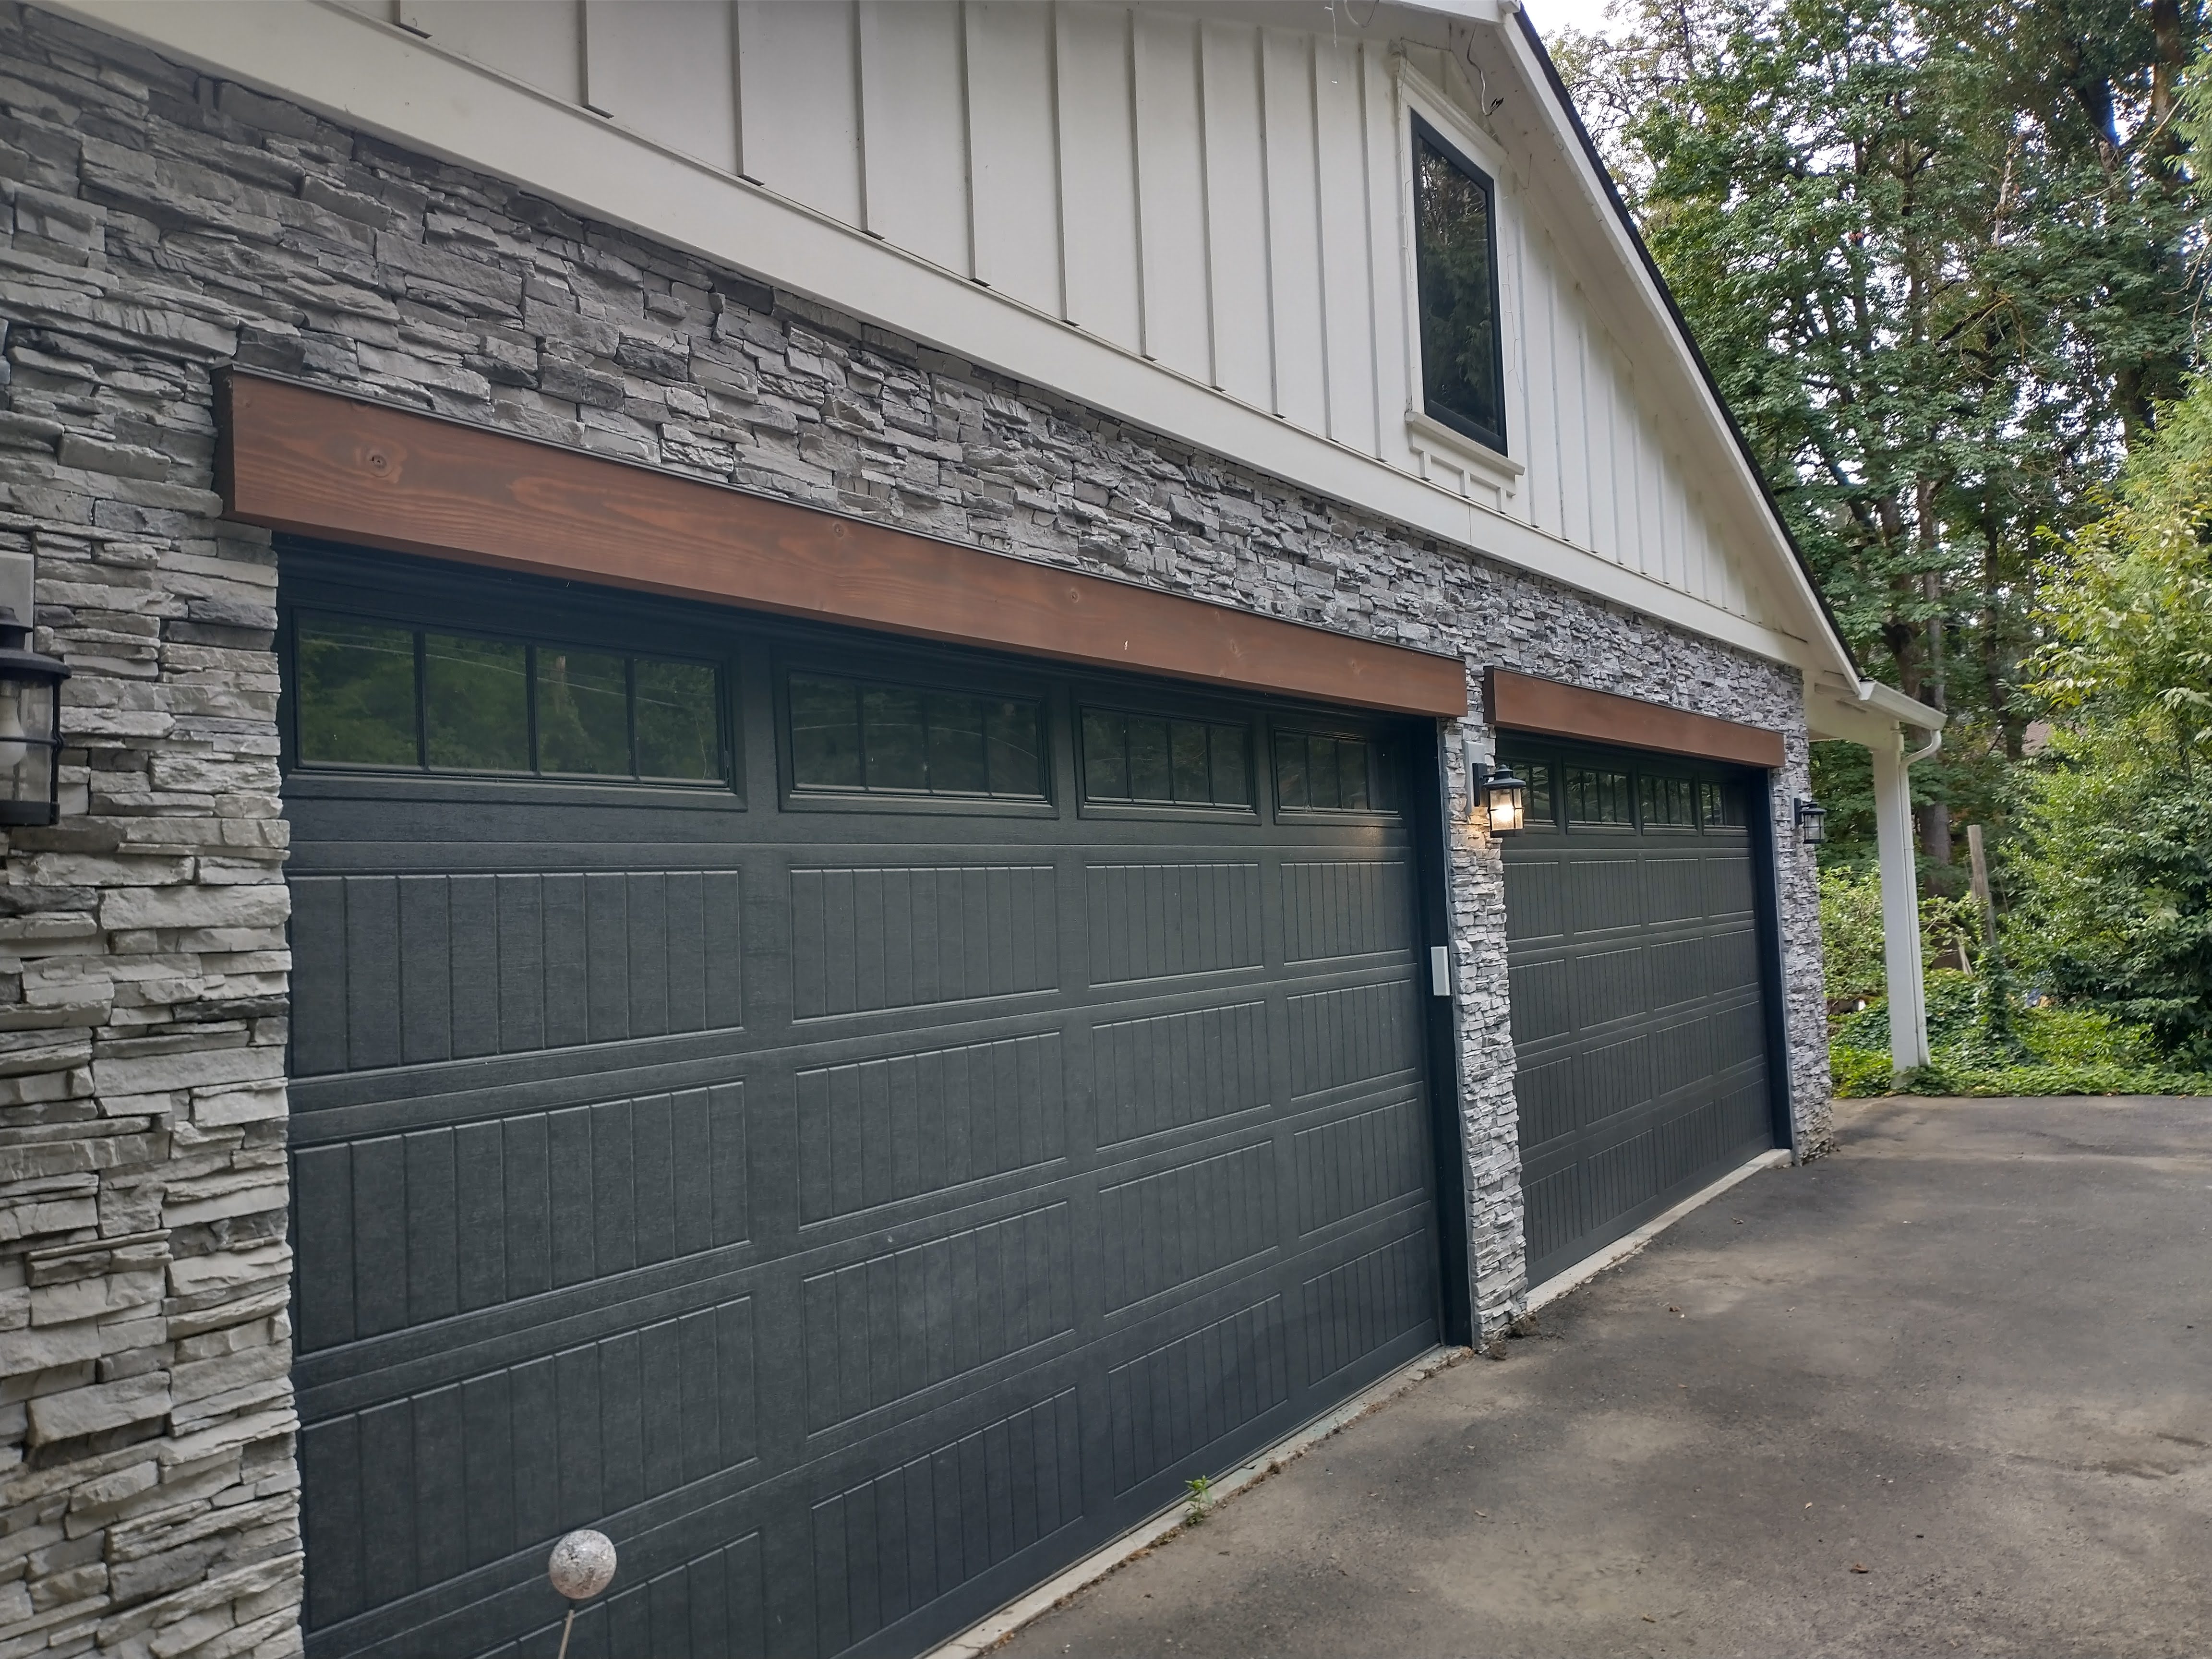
1970, 1353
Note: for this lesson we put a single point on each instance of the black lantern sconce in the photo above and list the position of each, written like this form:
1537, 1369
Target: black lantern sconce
30, 727
1811, 822
1502, 797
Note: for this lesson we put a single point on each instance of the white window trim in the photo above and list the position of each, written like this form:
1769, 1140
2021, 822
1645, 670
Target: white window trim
1443, 455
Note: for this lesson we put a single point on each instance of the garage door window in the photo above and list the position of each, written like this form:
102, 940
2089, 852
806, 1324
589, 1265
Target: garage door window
383, 695
1145, 760
1723, 806
864, 737
1670, 803
1598, 799
1326, 772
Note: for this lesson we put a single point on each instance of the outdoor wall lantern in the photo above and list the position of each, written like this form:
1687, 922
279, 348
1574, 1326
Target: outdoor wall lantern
30, 726
1811, 822
1503, 797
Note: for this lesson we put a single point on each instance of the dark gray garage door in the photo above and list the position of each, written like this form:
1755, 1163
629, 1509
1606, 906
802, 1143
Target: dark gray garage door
1639, 1005
860, 1124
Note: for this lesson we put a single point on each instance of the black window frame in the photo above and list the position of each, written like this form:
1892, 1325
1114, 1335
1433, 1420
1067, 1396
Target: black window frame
1210, 716
420, 623
1466, 425
1383, 777
897, 669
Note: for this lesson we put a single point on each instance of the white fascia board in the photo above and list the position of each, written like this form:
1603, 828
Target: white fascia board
1893, 704
1599, 203
377, 77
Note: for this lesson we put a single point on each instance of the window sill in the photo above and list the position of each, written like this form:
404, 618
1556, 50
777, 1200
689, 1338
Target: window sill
1457, 463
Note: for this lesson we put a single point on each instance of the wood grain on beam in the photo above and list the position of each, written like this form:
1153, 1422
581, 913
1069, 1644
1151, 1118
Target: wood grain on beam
1520, 703
298, 459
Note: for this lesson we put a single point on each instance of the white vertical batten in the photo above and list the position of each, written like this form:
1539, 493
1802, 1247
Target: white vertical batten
913, 104
798, 103
1102, 253
1299, 344
1238, 287
1171, 193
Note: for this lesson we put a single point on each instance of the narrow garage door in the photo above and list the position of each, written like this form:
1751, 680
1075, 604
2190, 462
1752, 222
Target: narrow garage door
1639, 1008
860, 1124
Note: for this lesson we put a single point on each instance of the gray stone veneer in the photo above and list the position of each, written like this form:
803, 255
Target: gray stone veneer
159, 224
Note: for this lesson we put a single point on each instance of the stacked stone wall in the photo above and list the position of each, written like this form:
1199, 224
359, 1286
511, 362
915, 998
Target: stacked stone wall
159, 224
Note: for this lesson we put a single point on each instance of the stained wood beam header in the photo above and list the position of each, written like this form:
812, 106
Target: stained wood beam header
1521, 702
297, 458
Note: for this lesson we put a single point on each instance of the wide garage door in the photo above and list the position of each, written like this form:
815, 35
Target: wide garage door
861, 1124
1640, 1007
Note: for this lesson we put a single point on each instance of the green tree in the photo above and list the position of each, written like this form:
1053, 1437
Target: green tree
2117, 858
1938, 253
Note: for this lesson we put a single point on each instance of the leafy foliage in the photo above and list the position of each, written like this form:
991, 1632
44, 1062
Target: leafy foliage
2057, 1050
1938, 253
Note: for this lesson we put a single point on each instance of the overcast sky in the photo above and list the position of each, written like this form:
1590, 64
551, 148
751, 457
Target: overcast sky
1551, 16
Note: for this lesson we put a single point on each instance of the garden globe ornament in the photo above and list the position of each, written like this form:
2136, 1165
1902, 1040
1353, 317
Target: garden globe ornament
582, 1564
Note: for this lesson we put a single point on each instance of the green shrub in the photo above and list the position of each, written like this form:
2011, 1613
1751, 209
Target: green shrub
1858, 1073
1852, 938
2052, 1050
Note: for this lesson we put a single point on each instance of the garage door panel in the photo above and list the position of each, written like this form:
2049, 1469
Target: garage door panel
867, 939
1543, 1000
1674, 889
1681, 971
1345, 908
1175, 1398
1728, 884
1360, 1307
1156, 920
1540, 907
1609, 985
555, 1442
1354, 1034
1178, 1070
440, 967
890, 1330
893, 1543
1682, 1054
1604, 894
1166, 1231
1611, 1080
1548, 1102
1357, 1161
930, 1120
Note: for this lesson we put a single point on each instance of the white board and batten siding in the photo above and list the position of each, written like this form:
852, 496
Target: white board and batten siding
1225, 199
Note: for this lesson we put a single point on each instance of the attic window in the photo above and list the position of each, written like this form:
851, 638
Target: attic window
1456, 263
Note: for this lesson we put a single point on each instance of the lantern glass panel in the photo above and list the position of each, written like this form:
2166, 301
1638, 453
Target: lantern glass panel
1507, 801
27, 724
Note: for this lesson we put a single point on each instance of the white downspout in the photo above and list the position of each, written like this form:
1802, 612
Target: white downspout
1900, 898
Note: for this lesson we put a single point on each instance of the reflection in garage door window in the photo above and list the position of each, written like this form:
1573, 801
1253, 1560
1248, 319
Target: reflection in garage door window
356, 693
851, 736
384, 696
1723, 805
1145, 760
1670, 803
1598, 797
476, 704
1321, 772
